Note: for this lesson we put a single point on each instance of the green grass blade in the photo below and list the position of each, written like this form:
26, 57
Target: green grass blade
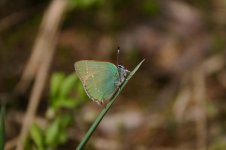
2, 128
105, 110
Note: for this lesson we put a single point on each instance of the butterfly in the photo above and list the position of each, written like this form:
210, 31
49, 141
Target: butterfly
100, 79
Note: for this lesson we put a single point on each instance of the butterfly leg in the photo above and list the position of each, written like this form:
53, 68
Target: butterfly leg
118, 83
100, 103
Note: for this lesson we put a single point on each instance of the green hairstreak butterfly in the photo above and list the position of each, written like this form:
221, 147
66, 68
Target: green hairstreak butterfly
100, 79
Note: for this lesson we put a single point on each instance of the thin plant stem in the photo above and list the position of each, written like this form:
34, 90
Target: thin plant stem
2, 127
105, 110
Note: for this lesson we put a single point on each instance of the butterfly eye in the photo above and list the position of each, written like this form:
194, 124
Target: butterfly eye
120, 66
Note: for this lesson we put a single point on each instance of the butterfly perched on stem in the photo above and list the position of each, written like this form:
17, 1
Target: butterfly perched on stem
100, 79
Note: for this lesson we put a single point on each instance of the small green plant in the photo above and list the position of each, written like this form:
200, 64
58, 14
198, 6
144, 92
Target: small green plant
66, 93
62, 89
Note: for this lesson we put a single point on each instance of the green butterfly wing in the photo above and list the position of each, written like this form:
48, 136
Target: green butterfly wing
98, 78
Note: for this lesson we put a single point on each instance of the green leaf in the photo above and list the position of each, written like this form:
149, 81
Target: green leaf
105, 110
65, 103
56, 133
2, 128
51, 112
151, 7
55, 84
68, 84
53, 133
65, 120
84, 3
63, 137
37, 136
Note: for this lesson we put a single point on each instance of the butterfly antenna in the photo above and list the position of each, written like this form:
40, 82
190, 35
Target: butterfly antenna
118, 55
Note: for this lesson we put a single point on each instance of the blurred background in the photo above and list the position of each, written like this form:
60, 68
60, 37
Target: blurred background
175, 101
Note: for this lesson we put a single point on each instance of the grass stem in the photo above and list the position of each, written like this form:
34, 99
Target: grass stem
2, 127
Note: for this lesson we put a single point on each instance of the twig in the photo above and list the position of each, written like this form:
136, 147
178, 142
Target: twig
11, 144
200, 98
46, 41
35, 97
48, 30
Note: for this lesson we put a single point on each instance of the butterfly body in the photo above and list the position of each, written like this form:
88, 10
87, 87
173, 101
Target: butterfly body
100, 79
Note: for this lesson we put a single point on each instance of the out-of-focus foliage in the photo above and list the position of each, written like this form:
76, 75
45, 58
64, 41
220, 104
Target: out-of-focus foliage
65, 94
110, 13
84, 3
150, 7
37, 134
56, 133
61, 92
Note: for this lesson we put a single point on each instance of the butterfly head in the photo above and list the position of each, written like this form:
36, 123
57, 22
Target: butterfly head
123, 69
123, 73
